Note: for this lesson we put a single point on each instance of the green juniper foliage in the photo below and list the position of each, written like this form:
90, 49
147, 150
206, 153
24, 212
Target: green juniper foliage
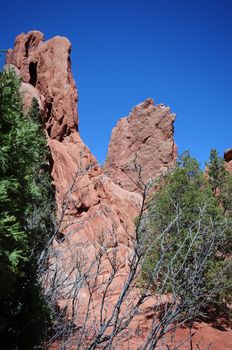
26, 217
196, 231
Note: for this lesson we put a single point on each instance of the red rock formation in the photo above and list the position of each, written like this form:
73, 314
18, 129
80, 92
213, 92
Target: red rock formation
96, 206
90, 205
51, 81
46, 66
144, 139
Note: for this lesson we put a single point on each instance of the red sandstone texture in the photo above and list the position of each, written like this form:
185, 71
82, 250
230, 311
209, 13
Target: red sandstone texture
91, 205
141, 146
229, 166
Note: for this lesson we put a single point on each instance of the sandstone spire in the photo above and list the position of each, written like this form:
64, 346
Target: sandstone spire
141, 145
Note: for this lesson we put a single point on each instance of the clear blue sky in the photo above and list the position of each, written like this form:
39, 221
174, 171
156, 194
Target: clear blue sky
179, 52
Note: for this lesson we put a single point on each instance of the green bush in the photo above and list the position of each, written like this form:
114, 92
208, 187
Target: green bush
188, 233
26, 217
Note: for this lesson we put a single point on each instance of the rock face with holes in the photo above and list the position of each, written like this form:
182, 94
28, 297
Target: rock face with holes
46, 66
141, 146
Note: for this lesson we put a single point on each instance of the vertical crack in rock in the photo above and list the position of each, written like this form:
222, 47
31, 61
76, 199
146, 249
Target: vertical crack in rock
27, 46
33, 73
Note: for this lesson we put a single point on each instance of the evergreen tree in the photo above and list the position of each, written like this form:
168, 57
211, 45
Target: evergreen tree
220, 181
196, 232
26, 217
216, 171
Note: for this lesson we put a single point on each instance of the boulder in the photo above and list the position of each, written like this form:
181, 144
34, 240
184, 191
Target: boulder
228, 154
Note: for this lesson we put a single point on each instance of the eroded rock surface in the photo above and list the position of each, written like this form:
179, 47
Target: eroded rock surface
141, 146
